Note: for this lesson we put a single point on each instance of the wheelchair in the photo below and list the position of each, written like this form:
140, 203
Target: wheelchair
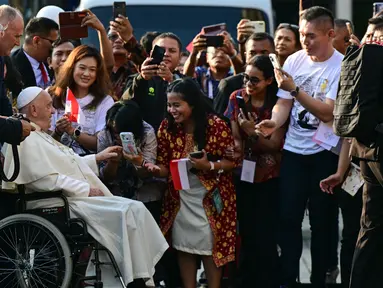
44, 247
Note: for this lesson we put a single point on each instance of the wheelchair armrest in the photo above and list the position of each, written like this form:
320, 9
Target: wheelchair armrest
24, 199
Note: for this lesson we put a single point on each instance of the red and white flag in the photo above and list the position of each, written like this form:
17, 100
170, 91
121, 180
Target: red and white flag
178, 169
72, 108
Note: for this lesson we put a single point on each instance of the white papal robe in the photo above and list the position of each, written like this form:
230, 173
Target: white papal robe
122, 225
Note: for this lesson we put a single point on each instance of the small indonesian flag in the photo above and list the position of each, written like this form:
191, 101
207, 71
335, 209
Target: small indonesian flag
72, 108
178, 169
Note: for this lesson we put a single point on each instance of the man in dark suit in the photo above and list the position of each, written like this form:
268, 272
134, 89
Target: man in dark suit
256, 44
30, 60
11, 29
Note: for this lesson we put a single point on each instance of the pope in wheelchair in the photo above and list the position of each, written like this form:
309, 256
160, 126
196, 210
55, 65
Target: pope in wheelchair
123, 228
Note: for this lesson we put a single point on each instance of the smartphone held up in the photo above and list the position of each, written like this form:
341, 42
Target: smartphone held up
128, 143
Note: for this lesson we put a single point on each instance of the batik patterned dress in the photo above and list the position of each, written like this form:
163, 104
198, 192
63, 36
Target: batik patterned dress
172, 146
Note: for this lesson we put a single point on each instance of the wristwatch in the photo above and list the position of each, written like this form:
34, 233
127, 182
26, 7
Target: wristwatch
295, 92
76, 133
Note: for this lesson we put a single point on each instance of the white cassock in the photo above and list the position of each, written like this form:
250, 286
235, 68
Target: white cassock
123, 226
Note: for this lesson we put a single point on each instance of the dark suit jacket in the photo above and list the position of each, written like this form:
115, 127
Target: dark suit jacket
10, 131
225, 88
22, 64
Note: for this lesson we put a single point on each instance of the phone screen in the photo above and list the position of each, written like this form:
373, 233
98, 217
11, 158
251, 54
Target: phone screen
119, 8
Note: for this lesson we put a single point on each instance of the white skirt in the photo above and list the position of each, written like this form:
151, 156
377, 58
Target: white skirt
191, 229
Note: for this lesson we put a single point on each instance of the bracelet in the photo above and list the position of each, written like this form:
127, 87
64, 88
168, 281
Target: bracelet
143, 163
211, 166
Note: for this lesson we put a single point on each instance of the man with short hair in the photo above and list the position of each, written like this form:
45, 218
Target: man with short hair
256, 44
31, 59
11, 131
342, 36
307, 96
218, 60
148, 88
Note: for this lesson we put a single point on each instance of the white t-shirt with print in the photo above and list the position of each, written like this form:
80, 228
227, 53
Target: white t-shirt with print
319, 80
92, 122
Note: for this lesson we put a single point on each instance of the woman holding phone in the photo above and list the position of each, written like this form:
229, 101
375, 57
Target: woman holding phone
125, 176
84, 73
199, 221
257, 195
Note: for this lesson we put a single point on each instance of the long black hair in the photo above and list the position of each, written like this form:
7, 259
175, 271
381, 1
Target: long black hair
191, 93
263, 63
125, 117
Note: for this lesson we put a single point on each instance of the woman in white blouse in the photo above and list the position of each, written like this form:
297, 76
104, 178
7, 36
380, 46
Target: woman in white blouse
85, 74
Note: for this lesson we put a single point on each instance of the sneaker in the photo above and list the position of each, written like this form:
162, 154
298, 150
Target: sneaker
332, 275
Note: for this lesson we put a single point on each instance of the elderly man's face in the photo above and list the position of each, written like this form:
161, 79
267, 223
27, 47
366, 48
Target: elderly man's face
40, 110
11, 36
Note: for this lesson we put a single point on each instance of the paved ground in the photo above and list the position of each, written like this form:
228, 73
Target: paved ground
305, 263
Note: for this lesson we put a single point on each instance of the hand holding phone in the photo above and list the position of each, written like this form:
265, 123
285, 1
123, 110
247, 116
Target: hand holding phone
274, 60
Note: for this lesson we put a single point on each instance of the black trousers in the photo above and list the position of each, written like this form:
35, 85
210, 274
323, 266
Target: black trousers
257, 215
299, 186
367, 269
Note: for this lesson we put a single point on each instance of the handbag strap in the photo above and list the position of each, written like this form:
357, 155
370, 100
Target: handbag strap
16, 169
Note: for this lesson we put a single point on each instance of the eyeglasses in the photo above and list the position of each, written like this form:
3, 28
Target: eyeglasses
252, 80
50, 40
288, 26
113, 37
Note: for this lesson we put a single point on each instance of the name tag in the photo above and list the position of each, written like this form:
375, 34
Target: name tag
248, 171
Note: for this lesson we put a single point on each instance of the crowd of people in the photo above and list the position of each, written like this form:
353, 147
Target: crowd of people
248, 130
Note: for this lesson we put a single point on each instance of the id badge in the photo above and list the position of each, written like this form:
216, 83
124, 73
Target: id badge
248, 171
217, 200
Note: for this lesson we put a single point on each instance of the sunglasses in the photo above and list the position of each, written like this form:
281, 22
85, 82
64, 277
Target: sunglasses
50, 40
288, 26
252, 80
113, 37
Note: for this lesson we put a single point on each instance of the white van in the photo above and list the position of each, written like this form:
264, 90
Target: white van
185, 18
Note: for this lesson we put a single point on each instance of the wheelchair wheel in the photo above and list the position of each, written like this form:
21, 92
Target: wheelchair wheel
33, 253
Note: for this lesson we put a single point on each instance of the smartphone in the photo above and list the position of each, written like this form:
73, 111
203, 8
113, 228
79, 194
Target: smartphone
157, 54
242, 105
306, 4
70, 25
214, 41
377, 7
349, 28
197, 155
259, 26
128, 144
213, 30
119, 8
274, 61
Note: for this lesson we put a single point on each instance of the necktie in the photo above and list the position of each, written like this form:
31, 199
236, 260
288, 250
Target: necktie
43, 73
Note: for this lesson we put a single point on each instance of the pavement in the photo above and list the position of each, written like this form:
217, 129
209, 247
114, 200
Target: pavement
305, 262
